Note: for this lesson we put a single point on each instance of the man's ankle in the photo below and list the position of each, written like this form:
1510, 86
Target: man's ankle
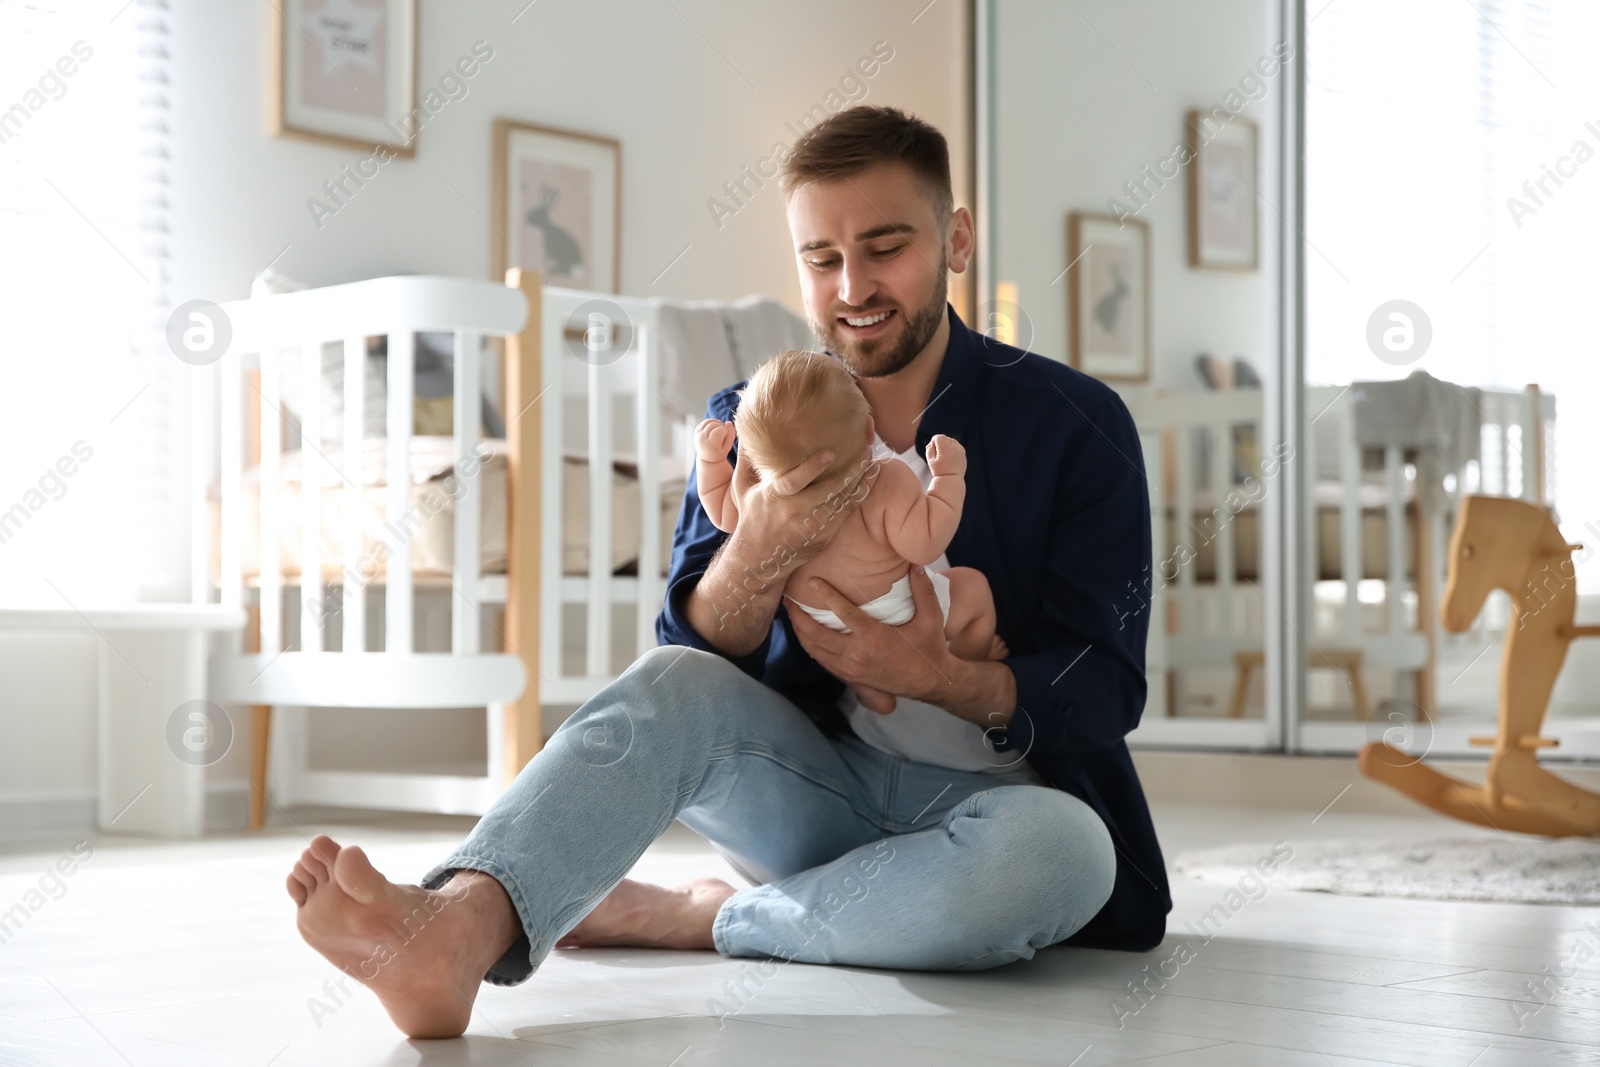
493, 918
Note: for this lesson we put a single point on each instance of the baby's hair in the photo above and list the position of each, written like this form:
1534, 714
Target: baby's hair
798, 404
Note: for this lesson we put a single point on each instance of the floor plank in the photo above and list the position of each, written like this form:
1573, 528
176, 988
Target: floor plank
163, 953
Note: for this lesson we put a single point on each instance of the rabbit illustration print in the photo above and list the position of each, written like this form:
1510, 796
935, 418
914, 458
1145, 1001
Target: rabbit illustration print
562, 256
557, 204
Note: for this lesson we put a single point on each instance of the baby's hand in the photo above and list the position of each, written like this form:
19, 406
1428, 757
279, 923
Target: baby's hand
712, 440
946, 456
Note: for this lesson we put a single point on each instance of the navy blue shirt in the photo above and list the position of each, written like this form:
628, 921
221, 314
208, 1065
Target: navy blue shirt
1057, 517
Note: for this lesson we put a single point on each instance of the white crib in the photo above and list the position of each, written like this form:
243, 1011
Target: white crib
562, 350
1372, 530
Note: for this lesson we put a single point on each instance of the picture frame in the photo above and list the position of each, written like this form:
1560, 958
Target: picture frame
1224, 210
1108, 296
343, 72
557, 205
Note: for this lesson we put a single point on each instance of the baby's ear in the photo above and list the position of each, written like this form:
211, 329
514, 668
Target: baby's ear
870, 430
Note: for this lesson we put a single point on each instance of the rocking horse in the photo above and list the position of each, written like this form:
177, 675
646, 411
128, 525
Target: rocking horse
1508, 544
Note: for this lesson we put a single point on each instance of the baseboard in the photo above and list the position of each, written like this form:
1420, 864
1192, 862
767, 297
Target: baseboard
31, 814
1241, 780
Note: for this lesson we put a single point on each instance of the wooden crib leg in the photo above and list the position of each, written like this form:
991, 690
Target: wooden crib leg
1244, 665
260, 736
260, 729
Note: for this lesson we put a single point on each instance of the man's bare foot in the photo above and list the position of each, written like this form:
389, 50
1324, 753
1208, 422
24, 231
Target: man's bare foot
998, 648
652, 916
422, 951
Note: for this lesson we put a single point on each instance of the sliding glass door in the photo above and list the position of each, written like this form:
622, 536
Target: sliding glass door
1452, 199
1093, 119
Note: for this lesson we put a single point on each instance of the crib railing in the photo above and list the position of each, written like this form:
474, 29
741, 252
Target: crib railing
1195, 436
272, 335
603, 350
591, 352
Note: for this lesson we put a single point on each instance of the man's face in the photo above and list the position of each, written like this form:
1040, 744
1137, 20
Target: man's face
872, 259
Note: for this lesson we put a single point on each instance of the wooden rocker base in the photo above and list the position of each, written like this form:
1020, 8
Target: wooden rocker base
1542, 804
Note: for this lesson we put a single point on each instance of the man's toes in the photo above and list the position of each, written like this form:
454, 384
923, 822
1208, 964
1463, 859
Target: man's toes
296, 890
325, 849
357, 876
315, 869
310, 882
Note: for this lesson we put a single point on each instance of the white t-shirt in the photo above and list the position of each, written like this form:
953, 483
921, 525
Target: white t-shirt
918, 731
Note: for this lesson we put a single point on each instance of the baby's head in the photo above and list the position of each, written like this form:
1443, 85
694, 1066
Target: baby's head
798, 404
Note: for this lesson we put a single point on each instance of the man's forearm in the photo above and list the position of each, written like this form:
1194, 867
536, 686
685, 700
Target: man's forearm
733, 604
980, 691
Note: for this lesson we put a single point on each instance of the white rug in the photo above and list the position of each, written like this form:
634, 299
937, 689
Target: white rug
1532, 871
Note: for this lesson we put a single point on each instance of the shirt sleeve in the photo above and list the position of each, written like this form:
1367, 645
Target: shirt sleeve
1086, 691
695, 541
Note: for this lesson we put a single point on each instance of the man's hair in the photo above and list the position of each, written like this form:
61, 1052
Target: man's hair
798, 404
860, 137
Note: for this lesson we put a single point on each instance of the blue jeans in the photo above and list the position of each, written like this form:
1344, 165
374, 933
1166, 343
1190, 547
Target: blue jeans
857, 857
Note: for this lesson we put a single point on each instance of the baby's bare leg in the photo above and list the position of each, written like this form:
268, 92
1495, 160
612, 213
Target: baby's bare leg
970, 625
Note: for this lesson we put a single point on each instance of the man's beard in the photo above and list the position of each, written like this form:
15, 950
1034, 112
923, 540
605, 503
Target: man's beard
873, 358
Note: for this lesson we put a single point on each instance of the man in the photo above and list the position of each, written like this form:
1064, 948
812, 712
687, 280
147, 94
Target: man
968, 813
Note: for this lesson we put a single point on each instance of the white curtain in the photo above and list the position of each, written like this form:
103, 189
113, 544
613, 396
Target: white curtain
91, 461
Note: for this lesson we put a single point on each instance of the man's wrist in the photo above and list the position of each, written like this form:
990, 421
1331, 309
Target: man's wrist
980, 691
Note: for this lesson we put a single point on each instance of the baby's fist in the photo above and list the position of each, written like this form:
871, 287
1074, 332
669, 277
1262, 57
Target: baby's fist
712, 440
946, 456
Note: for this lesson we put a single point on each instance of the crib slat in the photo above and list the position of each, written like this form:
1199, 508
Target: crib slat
600, 479
202, 388
1183, 477
464, 617
311, 467
1503, 439
1350, 526
230, 428
1220, 520
353, 603
271, 485
647, 437
1394, 480
402, 520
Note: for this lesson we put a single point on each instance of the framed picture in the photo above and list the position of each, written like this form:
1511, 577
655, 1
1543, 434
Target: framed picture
1108, 296
1223, 213
344, 72
557, 200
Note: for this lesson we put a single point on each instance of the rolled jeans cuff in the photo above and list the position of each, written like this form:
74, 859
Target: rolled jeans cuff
520, 960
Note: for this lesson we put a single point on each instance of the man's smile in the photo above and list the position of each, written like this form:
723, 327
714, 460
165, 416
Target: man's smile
868, 324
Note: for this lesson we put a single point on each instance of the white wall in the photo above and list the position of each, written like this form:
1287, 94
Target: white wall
694, 90
1086, 95
692, 97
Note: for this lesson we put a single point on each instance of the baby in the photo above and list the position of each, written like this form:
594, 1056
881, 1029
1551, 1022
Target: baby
801, 403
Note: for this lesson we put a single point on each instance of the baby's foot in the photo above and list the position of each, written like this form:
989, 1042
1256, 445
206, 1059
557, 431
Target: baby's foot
998, 648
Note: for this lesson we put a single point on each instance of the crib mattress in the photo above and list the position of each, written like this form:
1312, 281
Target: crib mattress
432, 512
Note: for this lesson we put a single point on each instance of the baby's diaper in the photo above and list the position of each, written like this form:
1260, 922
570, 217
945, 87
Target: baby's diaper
895, 607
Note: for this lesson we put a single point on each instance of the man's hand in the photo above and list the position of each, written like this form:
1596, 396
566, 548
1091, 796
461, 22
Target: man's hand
946, 456
912, 660
783, 522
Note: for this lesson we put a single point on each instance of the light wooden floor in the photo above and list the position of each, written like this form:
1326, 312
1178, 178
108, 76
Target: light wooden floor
186, 954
